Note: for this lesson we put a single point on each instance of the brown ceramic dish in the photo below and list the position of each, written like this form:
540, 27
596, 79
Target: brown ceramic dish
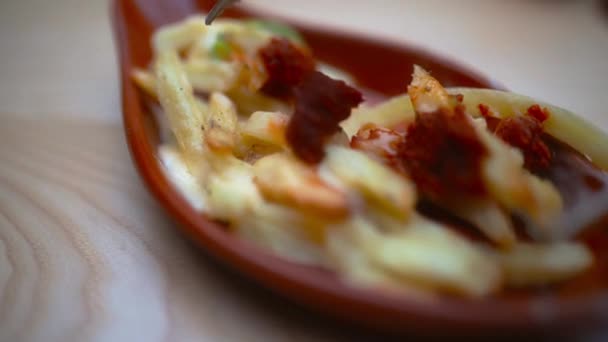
135, 20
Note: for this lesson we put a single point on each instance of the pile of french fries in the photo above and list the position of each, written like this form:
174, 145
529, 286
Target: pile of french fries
351, 213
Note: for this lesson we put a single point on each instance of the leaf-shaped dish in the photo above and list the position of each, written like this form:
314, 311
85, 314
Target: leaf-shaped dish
385, 69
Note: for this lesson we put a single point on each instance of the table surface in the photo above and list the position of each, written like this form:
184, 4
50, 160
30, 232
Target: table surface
85, 252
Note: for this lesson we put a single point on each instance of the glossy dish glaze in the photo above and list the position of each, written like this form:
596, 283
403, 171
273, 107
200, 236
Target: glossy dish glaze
135, 20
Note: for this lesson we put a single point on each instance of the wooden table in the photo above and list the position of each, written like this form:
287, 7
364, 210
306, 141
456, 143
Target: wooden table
86, 253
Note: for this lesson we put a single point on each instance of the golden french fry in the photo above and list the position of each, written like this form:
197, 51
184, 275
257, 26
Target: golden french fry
390, 191
268, 127
285, 180
219, 140
222, 113
177, 99
541, 264
284, 239
251, 150
426, 93
220, 124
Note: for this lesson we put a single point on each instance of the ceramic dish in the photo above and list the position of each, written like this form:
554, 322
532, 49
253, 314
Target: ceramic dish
134, 22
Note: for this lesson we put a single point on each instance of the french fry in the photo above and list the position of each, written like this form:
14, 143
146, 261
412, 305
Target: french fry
386, 114
514, 187
380, 185
177, 171
220, 124
211, 76
541, 264
426, 93
231, 191
357, 269
145, 80
222, 113
488, 217
179, 36
561, 124
176, 96
284, 232
204, 76
285, 180
251, 149
351, 213
219, 140
431, 256
268, 127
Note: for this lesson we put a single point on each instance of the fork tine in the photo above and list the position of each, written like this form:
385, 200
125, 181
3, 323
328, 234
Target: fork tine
217, 10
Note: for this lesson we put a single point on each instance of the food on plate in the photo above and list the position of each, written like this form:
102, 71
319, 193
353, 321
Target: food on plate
464, 192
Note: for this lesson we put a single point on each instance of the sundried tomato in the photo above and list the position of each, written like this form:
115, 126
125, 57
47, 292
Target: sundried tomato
491, 121
442, 154
286, 65
525, 133
540, 114
321, 103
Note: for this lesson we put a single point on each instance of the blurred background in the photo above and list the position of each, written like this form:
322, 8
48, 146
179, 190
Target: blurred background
58, 55
87, 254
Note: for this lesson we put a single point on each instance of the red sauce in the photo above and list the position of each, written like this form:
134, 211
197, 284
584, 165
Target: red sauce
321, 103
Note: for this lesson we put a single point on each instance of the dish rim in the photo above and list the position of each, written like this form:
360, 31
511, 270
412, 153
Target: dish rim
328, 294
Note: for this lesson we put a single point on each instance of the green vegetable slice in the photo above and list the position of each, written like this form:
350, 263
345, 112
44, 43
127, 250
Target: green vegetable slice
278, 29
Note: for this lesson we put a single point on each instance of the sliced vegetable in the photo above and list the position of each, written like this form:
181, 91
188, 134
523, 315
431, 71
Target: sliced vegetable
221, 49
278, 29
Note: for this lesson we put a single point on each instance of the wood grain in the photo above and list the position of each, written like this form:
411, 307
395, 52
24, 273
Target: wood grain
87, 255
